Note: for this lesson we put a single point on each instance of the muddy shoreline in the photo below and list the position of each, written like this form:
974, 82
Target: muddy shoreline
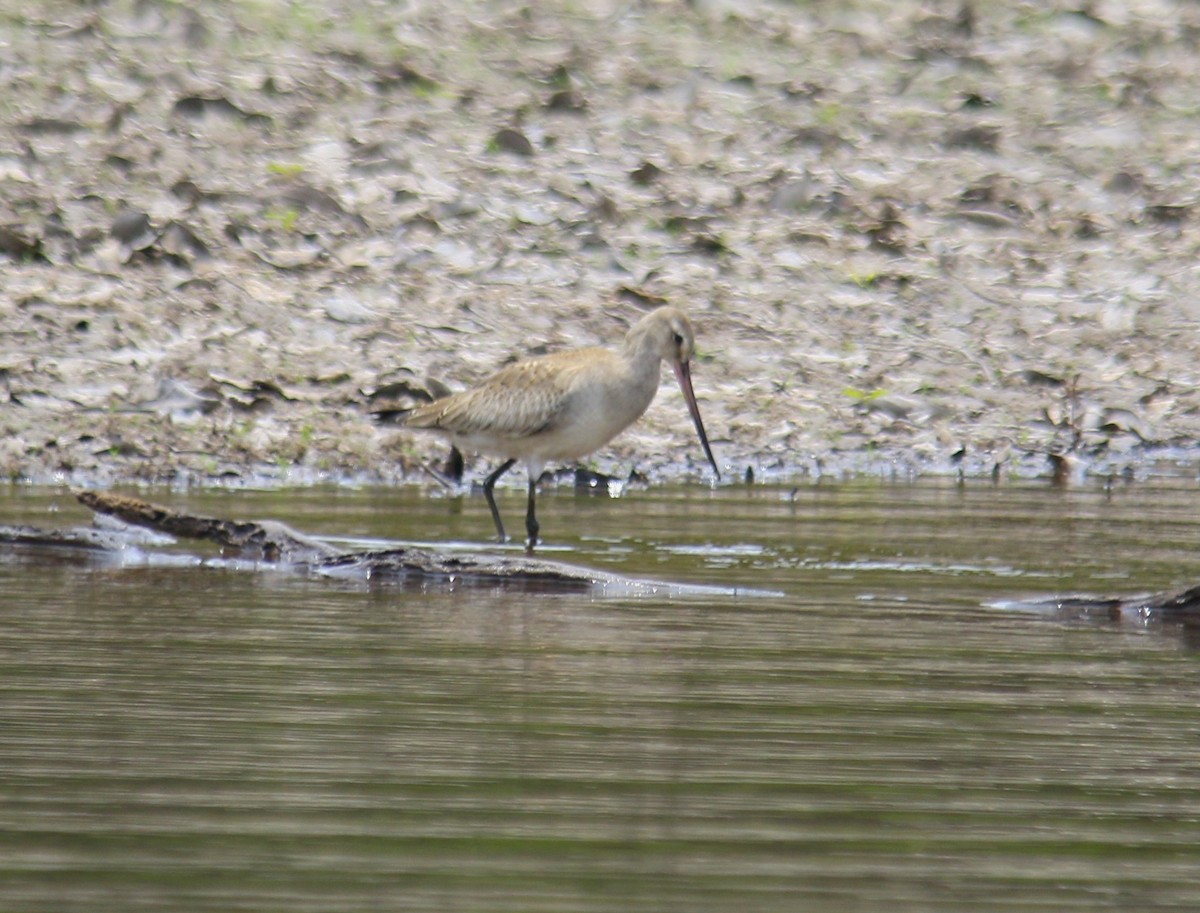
914, 238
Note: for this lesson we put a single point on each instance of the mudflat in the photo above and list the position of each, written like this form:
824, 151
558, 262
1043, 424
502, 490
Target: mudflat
947, 237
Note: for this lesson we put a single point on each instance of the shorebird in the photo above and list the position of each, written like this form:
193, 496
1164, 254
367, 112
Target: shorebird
560, 407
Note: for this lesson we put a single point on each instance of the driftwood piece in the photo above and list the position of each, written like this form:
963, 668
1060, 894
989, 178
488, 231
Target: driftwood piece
265, 541
97, 540
277, 544
1166, 605
473, 570
1175, 611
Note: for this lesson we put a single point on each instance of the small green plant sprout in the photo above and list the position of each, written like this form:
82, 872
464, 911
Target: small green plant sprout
862, 397
285, 218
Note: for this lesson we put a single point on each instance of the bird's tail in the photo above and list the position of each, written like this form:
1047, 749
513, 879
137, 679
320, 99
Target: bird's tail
390, 416
392, 403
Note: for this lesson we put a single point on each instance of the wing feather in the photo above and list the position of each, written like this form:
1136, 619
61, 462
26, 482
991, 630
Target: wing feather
520, 401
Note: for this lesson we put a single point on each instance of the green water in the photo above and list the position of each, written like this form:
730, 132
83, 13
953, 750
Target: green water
876, 738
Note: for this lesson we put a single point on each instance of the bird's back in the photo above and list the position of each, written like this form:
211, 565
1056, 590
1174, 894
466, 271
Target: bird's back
556, 407
517, 401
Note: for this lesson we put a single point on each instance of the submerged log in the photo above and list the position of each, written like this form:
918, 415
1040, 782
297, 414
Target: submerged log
257, 541
276, 544
96, 540
1169, 610
1168, 604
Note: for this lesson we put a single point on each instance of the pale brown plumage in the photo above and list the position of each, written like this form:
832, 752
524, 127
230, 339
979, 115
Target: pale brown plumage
492, 409
561, 407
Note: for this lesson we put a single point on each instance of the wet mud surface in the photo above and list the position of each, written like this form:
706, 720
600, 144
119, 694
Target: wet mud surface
935, 237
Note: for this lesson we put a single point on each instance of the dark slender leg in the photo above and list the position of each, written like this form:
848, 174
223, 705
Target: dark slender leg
488, 484
531, 523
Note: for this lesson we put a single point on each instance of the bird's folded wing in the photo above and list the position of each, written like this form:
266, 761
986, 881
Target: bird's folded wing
519, 401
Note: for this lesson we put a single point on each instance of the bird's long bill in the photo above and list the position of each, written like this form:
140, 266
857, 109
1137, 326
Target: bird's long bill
683, 373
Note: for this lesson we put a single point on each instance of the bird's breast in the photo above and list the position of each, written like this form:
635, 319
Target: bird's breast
599, 405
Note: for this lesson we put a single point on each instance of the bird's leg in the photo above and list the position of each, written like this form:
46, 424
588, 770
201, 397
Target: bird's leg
490, 483
531, 523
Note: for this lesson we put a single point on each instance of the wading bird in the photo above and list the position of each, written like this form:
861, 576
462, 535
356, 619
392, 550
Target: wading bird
561, 407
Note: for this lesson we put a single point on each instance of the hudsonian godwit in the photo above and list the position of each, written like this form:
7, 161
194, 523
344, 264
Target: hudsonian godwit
560, 407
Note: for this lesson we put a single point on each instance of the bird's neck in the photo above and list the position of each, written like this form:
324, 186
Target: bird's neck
639, 350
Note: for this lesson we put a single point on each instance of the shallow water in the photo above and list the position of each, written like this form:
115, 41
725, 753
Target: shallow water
876, 737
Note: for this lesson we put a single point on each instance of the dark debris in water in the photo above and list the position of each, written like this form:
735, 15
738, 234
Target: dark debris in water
1179, 609
252, 543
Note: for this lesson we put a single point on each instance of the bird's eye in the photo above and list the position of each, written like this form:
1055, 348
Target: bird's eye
678, 339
